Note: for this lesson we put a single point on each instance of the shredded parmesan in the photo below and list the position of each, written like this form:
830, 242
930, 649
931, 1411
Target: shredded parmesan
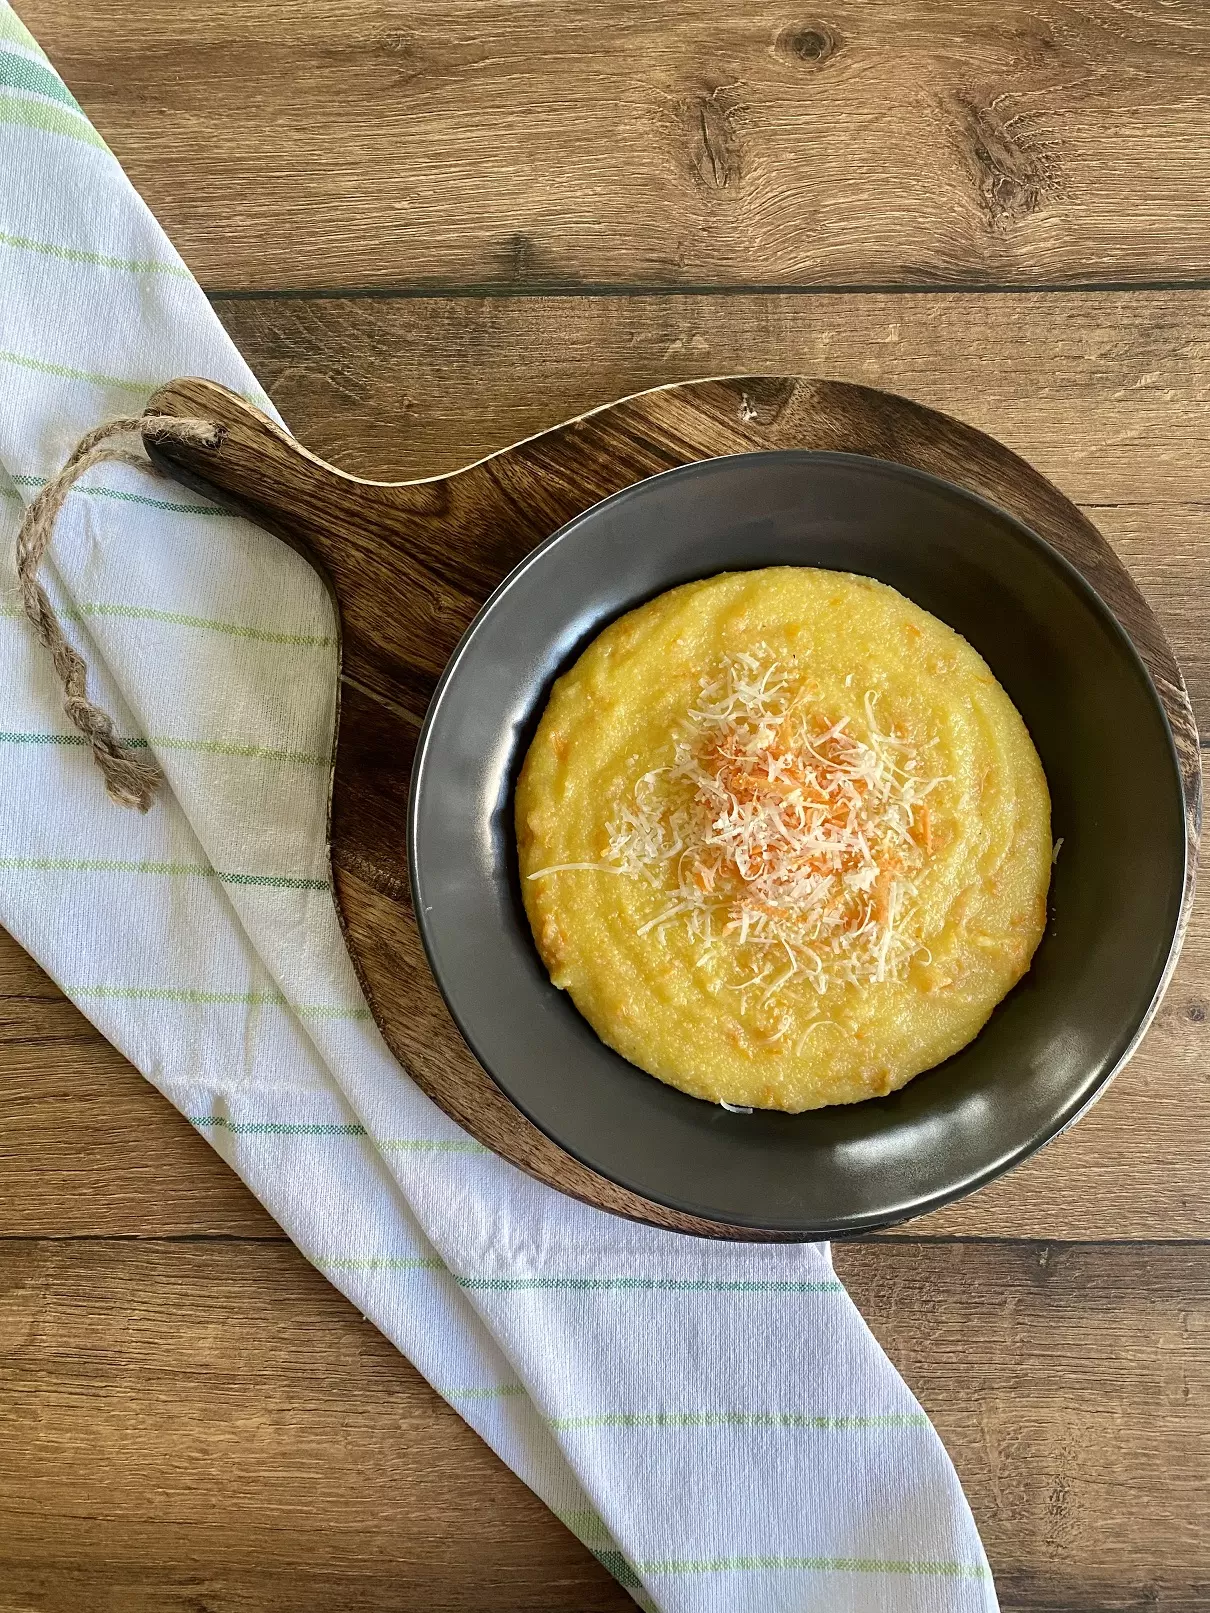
780, 827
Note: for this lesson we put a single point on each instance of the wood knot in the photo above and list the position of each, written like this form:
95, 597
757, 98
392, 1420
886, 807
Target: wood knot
814, 45
518, 257
402, 58
1034, 39
1197, 1013
715, 149
1013, 173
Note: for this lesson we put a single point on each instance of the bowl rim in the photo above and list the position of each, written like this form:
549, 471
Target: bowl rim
1066, 1115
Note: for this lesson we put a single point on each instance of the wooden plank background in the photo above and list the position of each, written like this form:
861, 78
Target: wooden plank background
433, 228
481, 142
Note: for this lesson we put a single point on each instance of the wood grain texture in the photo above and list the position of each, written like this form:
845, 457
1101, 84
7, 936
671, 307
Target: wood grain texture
410, 563
253, 1446
476, 142
1106, 394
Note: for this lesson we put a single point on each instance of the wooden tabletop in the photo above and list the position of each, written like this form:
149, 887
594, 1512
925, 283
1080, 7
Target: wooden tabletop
433, 228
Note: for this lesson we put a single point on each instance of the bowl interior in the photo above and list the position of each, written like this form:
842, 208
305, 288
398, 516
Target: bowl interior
1117, 804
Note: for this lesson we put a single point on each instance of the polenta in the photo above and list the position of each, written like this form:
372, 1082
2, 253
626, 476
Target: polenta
783, 839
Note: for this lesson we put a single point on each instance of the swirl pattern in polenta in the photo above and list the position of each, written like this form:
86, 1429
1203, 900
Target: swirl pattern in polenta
783, 839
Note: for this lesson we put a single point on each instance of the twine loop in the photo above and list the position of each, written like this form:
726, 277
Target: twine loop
130, 780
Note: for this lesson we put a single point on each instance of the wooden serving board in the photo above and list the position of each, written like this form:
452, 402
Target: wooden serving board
411, 562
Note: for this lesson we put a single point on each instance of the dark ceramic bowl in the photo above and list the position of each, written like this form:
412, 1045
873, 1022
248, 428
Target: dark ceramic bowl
1055, 1041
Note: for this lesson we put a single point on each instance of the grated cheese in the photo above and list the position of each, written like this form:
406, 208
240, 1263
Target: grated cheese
781, 828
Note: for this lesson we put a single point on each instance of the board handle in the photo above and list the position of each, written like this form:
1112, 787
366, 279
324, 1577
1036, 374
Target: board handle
260, 471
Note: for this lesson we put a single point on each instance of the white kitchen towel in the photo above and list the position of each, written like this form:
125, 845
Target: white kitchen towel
714, 1421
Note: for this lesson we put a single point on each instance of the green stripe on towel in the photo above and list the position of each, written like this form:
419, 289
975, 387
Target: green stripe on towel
263, 635
41, 366
583, 1284
380, 1264
146, 613
98, 260
109, 865
738, 1419
16, 110
19, 73
818, 1565
509, 1284
197, 998
282, 1128
129, 498
504, 1391
418, 1145
209, 747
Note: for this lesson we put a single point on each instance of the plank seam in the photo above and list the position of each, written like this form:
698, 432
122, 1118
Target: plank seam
570, 289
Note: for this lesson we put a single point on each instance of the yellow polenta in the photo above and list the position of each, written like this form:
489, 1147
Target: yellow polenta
783, 838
